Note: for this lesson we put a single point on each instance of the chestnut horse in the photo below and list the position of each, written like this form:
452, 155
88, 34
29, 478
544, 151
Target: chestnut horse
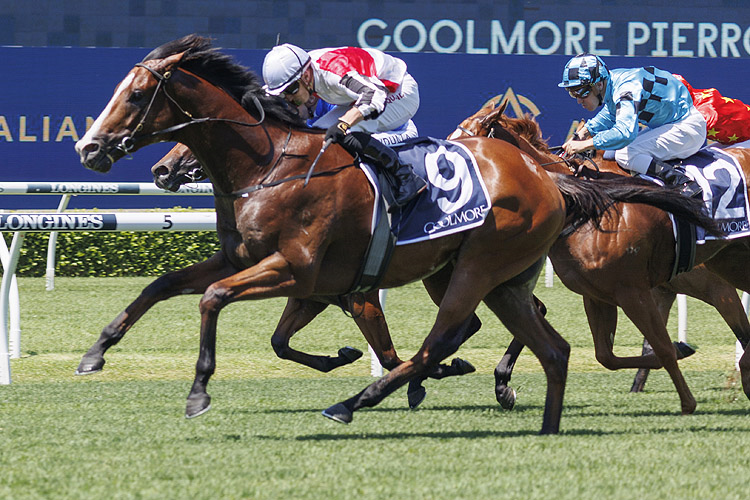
629, 266
283, 237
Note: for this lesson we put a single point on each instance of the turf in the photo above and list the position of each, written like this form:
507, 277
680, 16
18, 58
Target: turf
122, 434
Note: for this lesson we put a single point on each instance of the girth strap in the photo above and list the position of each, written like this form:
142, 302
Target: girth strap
378, 255
684, 246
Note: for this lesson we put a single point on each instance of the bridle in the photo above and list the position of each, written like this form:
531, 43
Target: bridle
128, 143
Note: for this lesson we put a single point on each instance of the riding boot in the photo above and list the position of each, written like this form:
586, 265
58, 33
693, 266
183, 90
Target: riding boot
672, 176
408, 185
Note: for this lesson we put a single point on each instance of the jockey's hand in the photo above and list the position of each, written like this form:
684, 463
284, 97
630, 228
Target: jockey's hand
336, 133
572, 146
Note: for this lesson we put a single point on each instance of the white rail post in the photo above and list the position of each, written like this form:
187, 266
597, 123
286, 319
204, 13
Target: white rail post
549, 274
681, 317
14, 306
52, 246
11, 346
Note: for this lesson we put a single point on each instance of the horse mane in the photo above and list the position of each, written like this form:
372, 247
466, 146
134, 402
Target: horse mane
206, 61
527, 128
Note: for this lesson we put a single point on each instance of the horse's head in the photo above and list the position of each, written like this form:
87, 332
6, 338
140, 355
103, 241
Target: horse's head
138, 107
176, 168
160, 96
480, 123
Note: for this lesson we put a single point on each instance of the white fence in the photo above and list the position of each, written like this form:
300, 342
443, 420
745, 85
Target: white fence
22, 222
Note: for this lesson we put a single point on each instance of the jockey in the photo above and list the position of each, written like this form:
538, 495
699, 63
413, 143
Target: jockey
372, 94
649, 96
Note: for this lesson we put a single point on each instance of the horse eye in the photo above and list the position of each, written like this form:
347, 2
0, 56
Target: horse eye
136, 95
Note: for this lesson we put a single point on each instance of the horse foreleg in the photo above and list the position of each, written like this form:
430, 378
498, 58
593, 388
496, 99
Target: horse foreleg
602, 318
504, 394
297, 314
271, 277
190, 280
522, 316
370, 318
664, 297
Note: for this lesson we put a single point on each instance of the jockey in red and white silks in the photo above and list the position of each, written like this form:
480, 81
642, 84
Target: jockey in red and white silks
374, 98
373, 82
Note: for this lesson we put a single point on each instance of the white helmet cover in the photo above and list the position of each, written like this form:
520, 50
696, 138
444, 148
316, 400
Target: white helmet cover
283, 66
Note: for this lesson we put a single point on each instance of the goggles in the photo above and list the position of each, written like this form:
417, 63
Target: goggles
581, 92
292, 89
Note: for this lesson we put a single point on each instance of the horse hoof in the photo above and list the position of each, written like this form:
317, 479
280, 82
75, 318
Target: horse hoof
415, 396
90, 367
351, 354
506, 397
338, 413
684, 349
462, 367
197, 406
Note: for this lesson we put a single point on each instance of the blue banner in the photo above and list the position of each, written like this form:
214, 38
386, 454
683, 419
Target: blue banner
51, 95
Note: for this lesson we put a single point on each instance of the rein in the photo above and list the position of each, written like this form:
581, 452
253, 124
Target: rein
566, 161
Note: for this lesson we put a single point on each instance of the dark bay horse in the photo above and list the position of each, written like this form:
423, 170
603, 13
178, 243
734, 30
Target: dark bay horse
629, 266
282, 238
180, 166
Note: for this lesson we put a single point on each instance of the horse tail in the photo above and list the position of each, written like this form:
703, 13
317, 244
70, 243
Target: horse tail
589, 200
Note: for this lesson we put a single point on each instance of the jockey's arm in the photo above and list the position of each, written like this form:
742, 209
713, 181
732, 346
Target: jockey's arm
352, 116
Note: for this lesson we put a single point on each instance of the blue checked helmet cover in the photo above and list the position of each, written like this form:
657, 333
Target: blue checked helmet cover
584, 69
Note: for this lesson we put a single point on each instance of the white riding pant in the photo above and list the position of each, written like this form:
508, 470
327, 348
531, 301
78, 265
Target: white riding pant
394, 124
668, 142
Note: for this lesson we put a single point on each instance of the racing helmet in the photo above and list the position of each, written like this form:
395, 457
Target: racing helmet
584, 70
283, 66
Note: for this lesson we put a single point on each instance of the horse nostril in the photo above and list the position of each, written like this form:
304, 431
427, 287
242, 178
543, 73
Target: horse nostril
160, 171
91, 147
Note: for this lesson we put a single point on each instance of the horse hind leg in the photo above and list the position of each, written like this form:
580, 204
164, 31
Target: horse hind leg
514, 305
444, 339
644, 314
436, 286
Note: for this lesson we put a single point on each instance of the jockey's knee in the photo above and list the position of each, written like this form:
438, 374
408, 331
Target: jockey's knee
636, 162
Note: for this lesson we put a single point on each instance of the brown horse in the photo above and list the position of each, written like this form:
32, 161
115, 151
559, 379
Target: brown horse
281, 237
180, 166
627, 266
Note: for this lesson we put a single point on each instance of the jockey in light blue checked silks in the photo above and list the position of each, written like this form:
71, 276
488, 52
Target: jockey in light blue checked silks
634, 96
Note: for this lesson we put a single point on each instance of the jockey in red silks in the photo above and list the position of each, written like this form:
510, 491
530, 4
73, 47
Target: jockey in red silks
373, 97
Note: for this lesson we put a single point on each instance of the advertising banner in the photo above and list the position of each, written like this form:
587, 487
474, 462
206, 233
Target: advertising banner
51, 95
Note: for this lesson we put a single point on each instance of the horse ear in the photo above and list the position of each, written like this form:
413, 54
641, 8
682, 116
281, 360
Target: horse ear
173, 60
495, 114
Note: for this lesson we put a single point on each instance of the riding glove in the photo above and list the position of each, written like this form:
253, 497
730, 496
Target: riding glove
336, 133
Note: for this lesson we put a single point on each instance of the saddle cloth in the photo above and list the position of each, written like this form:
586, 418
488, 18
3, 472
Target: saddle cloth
724, 190
456, 197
